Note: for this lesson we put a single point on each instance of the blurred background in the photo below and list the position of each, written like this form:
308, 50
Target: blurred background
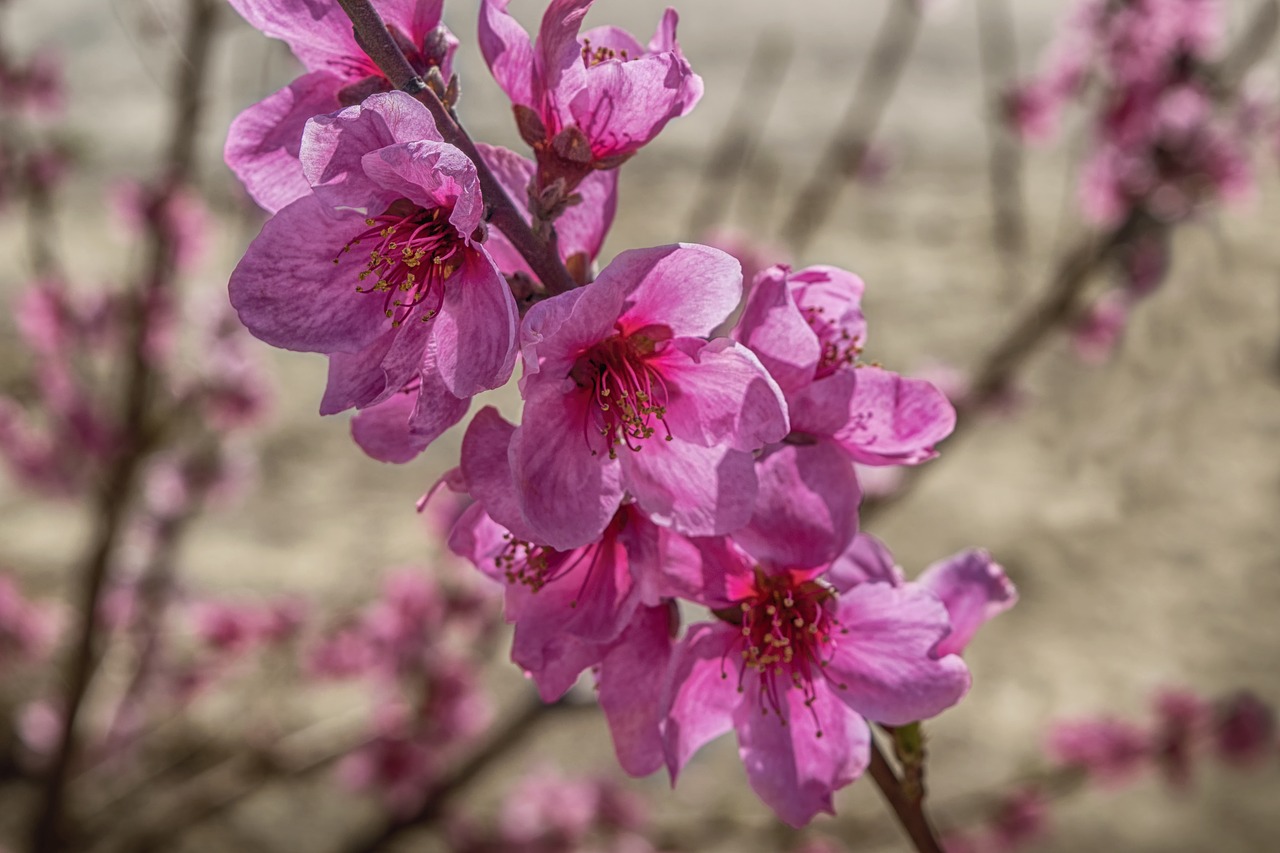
1134, 502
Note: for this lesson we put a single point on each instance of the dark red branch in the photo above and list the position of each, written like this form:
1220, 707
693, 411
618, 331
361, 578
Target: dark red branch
909, 811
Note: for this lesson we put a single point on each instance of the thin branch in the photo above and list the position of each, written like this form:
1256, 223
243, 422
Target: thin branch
998, 49
738, 143
908, 810
511, 734
140, 379
844, 154
372, 36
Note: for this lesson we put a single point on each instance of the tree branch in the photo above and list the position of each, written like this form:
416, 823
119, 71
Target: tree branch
909, 811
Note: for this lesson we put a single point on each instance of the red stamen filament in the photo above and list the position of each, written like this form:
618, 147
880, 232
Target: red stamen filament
627, 392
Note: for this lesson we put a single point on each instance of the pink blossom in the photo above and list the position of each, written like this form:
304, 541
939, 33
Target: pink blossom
27, 629
1097, 334
973, 588
179, 214
1245, 730
1112, 751
396, 763
623, 394
263, 143
808, 330
797, 664
585, 101
425, 309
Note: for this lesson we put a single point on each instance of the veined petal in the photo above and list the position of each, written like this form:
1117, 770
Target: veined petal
884, 664
796, 762
633, 678
430, 174
974, 588
894, 420
377, 372
289, 291
486, 469
698, 491
556, 331
568, 493
623, 105
702, 693
721, 394
334, 147
508, 51
686, 287
774, 329
476, 328
264, 141
866, 560
319, 33
559, 68
806, 509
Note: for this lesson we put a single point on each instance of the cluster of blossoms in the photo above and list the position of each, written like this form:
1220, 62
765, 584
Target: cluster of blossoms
27, 628
31, 93
415, 648
1170, 135
1185, 729
655, 462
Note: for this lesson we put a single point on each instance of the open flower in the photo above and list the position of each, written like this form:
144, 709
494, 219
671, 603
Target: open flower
379, 267
624, 395
585, 101
797, 664
263, 144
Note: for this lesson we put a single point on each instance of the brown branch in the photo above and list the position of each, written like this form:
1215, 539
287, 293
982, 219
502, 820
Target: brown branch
908, 810
511, 734
371, 34
118, 485
998, 49
848, 147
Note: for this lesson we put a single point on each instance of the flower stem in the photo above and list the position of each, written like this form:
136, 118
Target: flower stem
371, 34
909, 810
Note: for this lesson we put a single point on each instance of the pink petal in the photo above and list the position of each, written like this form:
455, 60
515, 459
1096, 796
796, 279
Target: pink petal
702, 693
318, 33
894, 420
377, 372
264, 141
806, 508
289, 292
775, 330
334, 147
698, 491
430, 174
568, 493
554, 661
476, 537
821, 409
835, 295
884, 664
633, 678
414, 18
720, 394
382, 431
688, 288
795, 764
974, 588
476, 328
866, 560
507, 51
486, 469
556, 331
624, 105
559, 63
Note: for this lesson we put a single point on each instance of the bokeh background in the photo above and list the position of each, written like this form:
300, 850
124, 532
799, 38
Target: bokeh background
1135, 504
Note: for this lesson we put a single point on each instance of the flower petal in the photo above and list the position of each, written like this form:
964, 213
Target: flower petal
884, 664
796, 762
430, 174
866, 560
318, 33
289, 291
558, 64
775, 330
624, 105
806, 508
264, 141
688, 288
377, 372
633, 678
973, 588
476, 328
486, 468
894, 420
721, 394
702, 693
698, 491
507, 51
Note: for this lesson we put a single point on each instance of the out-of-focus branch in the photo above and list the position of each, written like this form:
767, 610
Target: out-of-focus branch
510, 734
139, 382
845, 152
908, 809
998, 50
733, 152
371, 33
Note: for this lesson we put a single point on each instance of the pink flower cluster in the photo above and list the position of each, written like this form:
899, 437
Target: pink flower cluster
27, 628
656, 459
1169, 139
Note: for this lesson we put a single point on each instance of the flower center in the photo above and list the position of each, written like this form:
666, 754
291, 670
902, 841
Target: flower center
840, 347
535, 566
789, 633
628, 394
414, 251
594, 56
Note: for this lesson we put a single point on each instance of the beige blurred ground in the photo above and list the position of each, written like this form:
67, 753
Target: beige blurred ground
1136, 505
